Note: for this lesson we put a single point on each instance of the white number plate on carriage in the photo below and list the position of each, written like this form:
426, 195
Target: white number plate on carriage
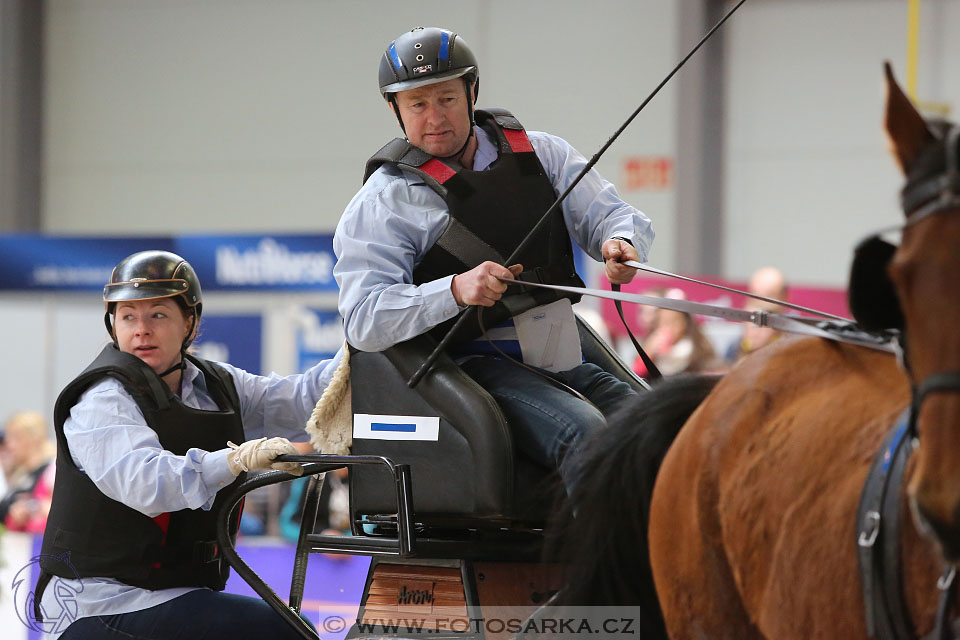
374, 427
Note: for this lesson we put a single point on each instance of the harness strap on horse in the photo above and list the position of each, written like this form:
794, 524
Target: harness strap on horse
944, 381
938, 192
878, 545
878, 538
943, 628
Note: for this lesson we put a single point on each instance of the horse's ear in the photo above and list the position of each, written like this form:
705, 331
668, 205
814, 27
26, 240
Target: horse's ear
905, 126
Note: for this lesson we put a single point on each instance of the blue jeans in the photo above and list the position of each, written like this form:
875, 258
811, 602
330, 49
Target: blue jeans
196, 615
549, 422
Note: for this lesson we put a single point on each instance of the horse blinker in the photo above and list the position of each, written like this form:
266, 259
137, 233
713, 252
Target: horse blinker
872, 296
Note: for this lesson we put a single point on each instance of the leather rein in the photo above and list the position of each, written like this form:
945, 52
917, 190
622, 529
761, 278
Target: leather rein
826, 326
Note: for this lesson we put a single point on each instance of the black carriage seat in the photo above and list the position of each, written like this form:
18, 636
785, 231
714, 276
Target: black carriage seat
471, 477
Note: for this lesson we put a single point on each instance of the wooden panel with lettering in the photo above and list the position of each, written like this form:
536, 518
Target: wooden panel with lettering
406, 592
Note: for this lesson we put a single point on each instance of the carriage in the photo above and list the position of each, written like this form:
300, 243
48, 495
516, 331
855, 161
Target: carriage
454, 525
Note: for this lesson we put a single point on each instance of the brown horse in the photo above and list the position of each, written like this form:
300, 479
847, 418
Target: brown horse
753, 516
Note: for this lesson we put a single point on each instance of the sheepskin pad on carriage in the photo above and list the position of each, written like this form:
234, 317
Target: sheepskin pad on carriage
331, 424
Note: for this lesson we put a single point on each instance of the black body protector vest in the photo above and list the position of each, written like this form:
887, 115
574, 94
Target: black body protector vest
107, 539
491, 212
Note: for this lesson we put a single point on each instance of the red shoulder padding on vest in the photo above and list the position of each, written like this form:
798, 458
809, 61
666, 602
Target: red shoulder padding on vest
518, 140
437, 170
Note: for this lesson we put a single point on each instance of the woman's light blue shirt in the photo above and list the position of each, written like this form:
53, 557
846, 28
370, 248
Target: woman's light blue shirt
110, 441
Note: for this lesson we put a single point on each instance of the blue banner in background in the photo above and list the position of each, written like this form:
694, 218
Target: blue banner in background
31, 262
319, 336
37, 262
34, 262
239, 263
236, 339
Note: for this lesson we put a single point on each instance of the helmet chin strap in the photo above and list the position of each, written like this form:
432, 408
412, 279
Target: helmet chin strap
396, 112
181, 365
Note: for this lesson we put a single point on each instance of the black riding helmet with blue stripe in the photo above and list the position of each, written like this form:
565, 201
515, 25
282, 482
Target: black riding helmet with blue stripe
425, 56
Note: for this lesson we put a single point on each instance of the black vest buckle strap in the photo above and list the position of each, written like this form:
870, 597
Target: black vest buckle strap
206, 552
42, 581
195, 553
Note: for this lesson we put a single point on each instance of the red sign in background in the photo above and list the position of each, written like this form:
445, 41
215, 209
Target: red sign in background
647, 173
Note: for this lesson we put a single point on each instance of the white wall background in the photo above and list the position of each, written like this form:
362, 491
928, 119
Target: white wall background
807, 169
259, 115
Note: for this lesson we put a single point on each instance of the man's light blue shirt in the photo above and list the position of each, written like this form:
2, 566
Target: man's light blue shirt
393, 221
110, 441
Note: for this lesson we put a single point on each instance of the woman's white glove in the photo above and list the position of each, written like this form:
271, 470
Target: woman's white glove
259, 454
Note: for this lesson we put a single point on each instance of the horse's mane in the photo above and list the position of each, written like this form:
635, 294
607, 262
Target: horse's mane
607, 563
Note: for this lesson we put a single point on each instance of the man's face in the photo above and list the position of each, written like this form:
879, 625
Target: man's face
436, 117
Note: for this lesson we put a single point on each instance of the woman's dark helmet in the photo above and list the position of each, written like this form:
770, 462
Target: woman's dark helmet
149, 275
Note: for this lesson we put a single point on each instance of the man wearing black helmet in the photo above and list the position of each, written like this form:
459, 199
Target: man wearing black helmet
144, 447
427, 234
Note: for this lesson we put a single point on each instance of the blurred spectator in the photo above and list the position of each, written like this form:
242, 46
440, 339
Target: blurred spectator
30, 453
4, 464
595, 319
333, 514
675, 342
647, 314
768, 282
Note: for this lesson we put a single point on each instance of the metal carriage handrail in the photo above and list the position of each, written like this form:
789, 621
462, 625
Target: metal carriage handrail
316, 464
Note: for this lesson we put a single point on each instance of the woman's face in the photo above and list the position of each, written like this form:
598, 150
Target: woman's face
152, 330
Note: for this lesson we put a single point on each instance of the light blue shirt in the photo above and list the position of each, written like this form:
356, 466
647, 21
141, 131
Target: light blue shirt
393, 221
110, 441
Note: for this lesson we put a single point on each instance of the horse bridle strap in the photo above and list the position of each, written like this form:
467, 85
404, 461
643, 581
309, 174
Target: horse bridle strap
947, 381
944, 627
940, 192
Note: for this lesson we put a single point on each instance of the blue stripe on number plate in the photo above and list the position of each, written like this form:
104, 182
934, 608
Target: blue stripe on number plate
389, 426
